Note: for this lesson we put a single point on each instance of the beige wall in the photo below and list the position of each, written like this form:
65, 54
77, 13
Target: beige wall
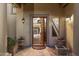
3, 29
76, 29
52, 10
11, 20
73, 42
19, 24
69, 11
69, 35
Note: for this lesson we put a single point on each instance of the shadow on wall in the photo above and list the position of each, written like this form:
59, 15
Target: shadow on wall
69, 32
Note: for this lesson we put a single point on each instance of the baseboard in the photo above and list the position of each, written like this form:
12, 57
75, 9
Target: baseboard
28, 46
50, 46
46, 45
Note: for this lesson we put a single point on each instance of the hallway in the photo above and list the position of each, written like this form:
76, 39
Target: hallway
39, 25
33, 52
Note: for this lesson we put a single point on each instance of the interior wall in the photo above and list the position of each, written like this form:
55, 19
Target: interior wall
69, 35
19, 24
76, 29
11, 21
69, 11
69, 28
3, 29
74, 42
52, 10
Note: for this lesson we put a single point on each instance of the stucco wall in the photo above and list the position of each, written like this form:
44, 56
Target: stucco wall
3, 29
74, 9
69, 11
11, 20
76, 29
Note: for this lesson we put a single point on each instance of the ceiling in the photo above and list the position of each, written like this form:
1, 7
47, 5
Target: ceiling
63, 4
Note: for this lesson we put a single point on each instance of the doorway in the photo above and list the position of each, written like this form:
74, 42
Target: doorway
39, 32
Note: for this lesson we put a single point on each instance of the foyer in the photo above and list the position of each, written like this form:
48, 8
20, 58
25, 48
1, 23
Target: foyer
39, 29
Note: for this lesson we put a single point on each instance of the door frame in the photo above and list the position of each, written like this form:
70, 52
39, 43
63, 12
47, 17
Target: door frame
47, 26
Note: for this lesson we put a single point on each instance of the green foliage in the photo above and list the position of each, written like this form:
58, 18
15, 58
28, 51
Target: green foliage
10, 43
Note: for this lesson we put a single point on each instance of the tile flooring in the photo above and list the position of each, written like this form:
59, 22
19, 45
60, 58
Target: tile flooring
33, 52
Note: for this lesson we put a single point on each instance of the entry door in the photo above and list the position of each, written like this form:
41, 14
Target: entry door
39, 32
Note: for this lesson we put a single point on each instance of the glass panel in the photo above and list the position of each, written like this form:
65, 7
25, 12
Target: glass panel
56, 22
55, 26
53, 32
39, 30
36, 30
13, 9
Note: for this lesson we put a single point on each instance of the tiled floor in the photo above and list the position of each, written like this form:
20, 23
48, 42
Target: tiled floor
33, 52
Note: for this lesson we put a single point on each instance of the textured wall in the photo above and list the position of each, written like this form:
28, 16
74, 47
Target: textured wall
3, 28
69, 28
76, 29
11, 21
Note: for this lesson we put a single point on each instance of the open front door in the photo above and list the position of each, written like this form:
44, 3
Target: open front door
39, 32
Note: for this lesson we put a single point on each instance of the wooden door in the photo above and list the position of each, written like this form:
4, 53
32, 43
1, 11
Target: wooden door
39, 32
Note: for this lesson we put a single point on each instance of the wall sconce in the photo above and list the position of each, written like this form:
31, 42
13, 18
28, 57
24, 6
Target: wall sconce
23, 20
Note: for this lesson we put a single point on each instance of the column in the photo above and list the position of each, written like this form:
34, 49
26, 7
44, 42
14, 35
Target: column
3, 28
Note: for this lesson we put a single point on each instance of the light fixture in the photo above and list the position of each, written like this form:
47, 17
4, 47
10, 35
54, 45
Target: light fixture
23, 20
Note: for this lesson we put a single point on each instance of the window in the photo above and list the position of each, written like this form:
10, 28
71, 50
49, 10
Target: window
56, 22
13, 9
55, 26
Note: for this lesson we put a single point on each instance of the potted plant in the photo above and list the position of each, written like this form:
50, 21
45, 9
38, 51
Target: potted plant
11, 44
